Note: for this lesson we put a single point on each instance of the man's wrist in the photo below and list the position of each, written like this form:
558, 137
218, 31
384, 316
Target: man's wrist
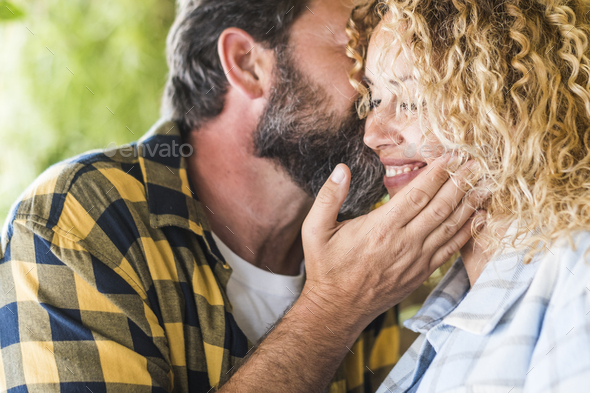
304, 351
332, 318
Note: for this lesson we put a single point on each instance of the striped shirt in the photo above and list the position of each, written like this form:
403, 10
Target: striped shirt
110, 281
520, 328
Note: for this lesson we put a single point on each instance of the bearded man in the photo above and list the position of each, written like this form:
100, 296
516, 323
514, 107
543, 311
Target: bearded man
151, 269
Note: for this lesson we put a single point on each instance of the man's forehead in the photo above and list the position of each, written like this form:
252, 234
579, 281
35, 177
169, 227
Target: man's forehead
344, 7
325, 16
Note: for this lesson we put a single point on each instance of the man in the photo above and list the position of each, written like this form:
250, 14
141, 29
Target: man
116, 266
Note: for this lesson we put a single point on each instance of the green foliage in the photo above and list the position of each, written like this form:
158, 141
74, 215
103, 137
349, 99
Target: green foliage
9, 11
76, 75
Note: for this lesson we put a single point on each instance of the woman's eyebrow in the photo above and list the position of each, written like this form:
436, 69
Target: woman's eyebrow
391, 81
402, 79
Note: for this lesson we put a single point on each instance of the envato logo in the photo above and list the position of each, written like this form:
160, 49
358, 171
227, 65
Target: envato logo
428, 150
163, 150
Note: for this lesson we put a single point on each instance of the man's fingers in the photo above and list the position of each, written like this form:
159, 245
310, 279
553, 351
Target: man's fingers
450, 227
409, 202
443, 205
324, 212
452, 246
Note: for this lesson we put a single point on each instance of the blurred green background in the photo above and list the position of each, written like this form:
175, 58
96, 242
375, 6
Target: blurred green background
62, 63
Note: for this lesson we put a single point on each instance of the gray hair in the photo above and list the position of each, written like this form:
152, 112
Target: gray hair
196, 86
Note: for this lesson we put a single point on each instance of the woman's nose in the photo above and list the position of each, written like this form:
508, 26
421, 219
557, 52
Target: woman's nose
381, 134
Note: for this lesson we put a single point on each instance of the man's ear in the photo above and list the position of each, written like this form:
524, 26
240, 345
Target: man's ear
246, 64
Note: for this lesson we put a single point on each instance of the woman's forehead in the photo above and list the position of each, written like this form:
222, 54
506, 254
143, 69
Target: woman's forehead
381, 54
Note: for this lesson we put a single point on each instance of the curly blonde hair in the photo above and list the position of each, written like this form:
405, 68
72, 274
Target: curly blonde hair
512, 75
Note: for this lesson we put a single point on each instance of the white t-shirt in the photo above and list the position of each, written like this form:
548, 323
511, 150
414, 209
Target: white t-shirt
258, 296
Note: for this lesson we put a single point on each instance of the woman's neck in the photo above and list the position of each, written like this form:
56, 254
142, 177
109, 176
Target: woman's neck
474, 257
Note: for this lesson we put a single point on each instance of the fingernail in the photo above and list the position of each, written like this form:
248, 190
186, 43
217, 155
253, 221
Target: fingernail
472, 166
338, 175
446, 156
454, 163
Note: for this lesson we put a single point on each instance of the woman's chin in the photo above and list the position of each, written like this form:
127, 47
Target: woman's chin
392, 191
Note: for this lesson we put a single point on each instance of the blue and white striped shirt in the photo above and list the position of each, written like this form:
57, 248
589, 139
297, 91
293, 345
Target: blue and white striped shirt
520, 328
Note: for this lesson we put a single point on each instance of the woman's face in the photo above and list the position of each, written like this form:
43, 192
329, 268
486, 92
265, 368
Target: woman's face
394, 134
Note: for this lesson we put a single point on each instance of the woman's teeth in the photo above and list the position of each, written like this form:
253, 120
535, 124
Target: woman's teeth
391, 171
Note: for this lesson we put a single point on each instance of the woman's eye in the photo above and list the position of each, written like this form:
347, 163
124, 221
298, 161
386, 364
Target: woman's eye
374, 103
411, 107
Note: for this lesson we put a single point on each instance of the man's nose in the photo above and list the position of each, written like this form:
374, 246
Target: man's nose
381, 134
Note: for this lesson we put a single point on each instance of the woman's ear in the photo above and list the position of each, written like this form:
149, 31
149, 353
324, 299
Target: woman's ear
247, 65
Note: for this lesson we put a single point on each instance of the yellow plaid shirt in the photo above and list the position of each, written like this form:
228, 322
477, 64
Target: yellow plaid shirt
110, 281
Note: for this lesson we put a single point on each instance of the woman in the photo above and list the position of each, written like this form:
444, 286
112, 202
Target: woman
506, 83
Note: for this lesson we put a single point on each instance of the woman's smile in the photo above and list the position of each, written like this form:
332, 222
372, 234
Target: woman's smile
398, 172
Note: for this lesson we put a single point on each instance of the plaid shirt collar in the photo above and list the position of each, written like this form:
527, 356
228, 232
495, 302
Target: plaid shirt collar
452, 301
170, 194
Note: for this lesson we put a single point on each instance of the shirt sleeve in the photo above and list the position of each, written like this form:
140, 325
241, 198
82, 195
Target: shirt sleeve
561, 359
70, 322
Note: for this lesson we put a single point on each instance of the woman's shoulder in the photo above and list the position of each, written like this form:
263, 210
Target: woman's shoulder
567, 264
573, 251
561, 358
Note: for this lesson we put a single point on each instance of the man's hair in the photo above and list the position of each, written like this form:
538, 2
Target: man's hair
196, 86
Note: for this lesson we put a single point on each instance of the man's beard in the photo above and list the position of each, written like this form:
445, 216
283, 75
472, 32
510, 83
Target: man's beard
307, 139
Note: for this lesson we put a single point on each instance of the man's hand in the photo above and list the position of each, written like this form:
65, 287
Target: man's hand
356, 270
359, 268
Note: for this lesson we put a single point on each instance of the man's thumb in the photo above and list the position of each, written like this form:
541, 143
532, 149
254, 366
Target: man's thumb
324, 212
